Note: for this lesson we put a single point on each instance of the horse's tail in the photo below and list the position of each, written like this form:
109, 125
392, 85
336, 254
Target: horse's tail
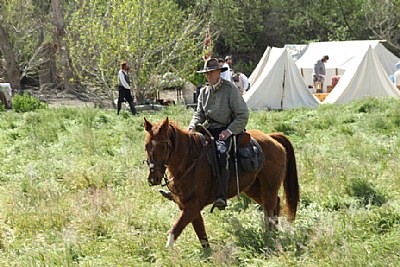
291, 183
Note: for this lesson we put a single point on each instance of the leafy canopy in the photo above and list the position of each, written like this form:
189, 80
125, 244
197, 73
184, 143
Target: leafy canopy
153, 36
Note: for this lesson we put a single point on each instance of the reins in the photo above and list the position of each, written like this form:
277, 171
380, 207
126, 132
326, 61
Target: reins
189, 169
163, 165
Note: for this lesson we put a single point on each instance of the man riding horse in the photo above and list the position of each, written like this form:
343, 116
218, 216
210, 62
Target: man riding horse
222, 110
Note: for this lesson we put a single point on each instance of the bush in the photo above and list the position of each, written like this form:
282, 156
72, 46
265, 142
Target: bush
365, 192
25, 103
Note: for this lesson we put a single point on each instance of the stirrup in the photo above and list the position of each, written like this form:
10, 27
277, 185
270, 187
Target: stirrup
166, 194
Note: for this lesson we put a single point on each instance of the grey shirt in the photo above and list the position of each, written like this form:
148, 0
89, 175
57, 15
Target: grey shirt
319, 71
221, 107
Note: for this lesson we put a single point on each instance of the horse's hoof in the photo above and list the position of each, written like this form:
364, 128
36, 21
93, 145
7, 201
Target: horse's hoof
220, 203
204, 244
171, 240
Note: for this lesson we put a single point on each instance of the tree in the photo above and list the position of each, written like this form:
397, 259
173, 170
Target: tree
383, 18
155, 37
25, 41
11, 65
62, 48
238, 29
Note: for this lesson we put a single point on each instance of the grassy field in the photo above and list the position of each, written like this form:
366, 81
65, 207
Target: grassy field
73, 192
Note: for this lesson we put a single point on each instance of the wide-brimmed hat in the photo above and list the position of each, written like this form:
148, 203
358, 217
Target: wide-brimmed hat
211, 65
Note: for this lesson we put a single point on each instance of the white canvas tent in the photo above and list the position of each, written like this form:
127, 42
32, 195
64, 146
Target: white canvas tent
260, 66
277, 83
341, 56
364, 77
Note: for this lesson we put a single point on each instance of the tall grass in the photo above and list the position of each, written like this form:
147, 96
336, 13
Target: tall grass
73, 192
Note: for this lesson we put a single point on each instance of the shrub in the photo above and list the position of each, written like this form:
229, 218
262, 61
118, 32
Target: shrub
25, 103
365, 192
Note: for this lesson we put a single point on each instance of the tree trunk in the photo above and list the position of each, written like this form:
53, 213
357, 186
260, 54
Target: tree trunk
12, 69
138, 69
48, 70
58, 20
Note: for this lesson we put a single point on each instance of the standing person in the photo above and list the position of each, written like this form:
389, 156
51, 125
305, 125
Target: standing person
226, 75
124, 88
319, 74
228, 60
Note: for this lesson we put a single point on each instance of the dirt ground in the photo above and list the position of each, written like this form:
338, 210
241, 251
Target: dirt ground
74, 99
57, 98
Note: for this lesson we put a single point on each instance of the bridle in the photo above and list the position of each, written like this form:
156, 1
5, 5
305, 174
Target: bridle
162, 165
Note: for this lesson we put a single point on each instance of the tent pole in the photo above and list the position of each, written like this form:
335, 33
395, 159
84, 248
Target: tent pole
283, 85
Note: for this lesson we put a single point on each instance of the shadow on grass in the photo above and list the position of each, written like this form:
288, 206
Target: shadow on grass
269, 243
365, 192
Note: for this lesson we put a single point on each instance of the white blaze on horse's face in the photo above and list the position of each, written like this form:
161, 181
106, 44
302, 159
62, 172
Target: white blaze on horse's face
156, 159
158, 148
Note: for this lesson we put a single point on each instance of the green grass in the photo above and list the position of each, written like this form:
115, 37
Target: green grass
73, 192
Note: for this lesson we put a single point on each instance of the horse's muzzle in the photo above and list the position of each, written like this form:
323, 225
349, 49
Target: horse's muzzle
154, 179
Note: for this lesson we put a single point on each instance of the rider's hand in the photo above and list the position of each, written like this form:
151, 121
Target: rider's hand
224, 134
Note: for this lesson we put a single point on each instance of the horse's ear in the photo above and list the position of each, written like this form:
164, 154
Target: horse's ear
165, 123
147, 125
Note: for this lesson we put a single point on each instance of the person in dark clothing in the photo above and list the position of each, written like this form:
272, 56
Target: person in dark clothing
124, 88
319, 73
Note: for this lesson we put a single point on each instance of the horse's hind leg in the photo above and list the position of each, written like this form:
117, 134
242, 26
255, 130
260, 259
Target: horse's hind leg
199, 228
277, 211
271, 214
268, 198
269, 188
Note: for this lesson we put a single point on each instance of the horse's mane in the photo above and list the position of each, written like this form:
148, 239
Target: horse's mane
182, 136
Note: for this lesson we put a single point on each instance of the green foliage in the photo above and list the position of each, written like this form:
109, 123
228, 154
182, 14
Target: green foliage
24, 24
74, 192
155, 37
197, 78
25, 103
161, 36
2, 107
366, 192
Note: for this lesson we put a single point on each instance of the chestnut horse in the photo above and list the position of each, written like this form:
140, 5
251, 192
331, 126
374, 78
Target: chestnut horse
194, 186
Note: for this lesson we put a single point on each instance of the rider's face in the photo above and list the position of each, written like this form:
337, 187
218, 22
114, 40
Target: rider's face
212, 76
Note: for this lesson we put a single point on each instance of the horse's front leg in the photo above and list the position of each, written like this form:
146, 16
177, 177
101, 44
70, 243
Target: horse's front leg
189, 213
199, 228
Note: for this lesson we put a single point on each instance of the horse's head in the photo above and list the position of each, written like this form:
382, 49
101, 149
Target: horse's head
158, 145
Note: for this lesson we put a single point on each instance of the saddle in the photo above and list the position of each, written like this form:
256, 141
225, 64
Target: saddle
249, 153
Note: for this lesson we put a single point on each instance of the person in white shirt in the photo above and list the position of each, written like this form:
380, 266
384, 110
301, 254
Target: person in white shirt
228, 60
226, 75
241, 82
124, 88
